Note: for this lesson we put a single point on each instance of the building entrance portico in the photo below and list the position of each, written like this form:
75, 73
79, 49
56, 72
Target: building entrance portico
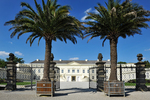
73, 78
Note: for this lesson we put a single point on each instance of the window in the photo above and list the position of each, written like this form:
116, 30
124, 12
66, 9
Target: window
129, 77
133, 76
92, 77
39, 71
62, 71
68, 70
93, 71
87, 71
106, 71
147, 75
73, 71
106, 77
83, 71
131, 69
125, 76
78, 71
57, 71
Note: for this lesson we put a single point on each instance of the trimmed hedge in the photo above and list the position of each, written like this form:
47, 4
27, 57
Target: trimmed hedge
134, 81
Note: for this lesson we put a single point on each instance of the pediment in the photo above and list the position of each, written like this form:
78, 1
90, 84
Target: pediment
73, 63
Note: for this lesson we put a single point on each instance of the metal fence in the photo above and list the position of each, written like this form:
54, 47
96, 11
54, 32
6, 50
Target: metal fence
27, 76
3, 75
93, 77
124, 73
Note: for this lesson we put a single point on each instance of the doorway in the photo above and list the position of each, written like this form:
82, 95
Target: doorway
73, 78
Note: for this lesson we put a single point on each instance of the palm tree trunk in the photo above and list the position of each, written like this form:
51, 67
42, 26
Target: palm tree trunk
113, 53
47, 60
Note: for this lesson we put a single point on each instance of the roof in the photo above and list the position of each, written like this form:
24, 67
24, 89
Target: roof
69, 61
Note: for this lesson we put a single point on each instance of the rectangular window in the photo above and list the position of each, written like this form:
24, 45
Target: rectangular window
131, 69
78, 71
68, 70
106, 71
133, 76
34, 70
106, 77
93, 71
87, 71
73, 71
83, 71
39, 71
124, 76
92, 77
62, 71
147, 75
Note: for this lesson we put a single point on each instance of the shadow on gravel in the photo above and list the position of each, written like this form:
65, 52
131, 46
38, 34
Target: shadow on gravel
129, 91
74, 90
2, 88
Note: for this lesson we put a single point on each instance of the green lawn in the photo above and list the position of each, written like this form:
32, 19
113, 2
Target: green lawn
20, 83
133, 84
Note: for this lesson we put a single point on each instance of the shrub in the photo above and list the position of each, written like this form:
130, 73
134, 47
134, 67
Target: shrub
132, 81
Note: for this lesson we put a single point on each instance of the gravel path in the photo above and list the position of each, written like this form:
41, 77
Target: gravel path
72, 91
72, 94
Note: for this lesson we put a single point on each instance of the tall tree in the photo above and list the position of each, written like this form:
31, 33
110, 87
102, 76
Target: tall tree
16, 60
121, 62
117, 20
2, 63
50, 22
147, 63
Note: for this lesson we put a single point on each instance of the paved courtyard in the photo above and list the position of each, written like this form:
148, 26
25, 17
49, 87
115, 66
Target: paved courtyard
72, 93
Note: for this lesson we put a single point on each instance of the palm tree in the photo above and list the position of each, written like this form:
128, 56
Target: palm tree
50, 22
117, 20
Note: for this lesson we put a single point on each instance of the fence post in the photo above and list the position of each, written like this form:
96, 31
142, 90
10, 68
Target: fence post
120, 72
31, 78
100, 73
89, 78
11, 73
140, 74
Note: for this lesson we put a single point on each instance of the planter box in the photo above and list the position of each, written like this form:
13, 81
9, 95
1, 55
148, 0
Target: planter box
114, 88
45, 88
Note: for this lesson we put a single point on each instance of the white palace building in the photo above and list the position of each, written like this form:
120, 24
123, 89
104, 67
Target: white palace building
73, 70
78, 70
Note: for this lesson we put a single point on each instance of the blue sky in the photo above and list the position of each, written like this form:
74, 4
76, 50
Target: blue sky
127, 48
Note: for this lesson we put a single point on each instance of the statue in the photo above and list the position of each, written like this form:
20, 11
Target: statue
11, 56
100, 57
140, 57
52, 57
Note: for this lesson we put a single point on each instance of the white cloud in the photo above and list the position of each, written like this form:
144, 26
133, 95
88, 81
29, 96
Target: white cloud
83, 18
147, 50
18, 53
88, 10
75, 58
3, 53
10, 42
95, 11
144, 58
